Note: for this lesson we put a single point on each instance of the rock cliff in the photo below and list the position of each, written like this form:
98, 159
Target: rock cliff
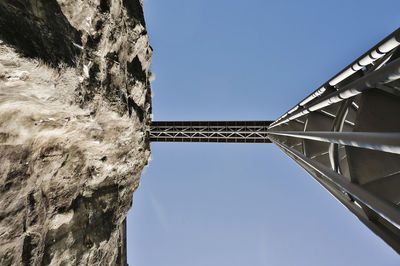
75, 104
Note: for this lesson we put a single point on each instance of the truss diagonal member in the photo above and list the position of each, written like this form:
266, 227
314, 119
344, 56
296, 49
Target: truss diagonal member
241, 135
188, 135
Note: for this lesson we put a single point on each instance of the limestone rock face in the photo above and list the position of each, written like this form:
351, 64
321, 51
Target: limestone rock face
75, 104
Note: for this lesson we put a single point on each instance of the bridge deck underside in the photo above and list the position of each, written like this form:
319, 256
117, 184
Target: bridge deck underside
346, 134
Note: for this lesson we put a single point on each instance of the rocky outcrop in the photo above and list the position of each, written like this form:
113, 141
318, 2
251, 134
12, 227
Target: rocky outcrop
75, 103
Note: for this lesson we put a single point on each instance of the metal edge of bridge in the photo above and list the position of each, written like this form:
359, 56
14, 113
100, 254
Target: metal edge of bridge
344, 134
348, 138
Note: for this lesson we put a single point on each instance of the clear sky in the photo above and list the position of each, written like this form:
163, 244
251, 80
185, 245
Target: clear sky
248, 204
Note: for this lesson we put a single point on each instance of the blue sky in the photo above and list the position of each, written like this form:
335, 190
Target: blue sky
248, 204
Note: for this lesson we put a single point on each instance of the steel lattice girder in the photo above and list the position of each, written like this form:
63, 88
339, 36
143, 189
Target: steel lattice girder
210, 131
346, 135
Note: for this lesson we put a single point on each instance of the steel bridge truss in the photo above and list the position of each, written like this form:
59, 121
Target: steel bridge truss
346, 135
210, 131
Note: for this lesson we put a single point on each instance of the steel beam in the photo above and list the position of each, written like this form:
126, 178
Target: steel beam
386, 210
375, 58
381, 230
379, 141
386, 74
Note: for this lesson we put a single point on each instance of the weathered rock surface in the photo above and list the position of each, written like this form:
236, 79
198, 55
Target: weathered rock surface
75, 103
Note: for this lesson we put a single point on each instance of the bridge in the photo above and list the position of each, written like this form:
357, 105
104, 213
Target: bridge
210, 131
346, 135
